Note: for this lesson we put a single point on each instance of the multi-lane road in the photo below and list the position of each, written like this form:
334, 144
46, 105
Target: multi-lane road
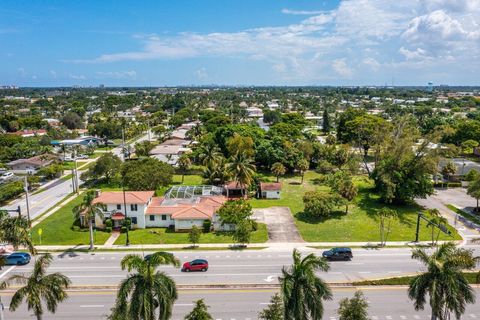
241, 304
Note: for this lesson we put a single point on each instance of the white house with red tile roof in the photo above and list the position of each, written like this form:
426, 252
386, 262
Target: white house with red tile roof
145, 210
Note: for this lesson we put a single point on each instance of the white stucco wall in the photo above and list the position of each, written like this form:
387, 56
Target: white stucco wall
188, 224
158, 222
271, 194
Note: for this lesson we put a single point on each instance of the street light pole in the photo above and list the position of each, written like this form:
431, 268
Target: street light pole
26, 199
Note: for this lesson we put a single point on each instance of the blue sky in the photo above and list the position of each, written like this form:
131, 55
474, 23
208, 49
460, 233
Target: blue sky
239, 42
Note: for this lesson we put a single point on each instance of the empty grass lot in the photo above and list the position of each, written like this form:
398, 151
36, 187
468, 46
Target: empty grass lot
165, 236
57, 228
360, 224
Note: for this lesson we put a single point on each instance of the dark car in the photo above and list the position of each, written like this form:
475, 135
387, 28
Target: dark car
195, 265
336, 254
17, 258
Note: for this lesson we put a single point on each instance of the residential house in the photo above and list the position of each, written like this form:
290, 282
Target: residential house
145, 210
31, 165
270, 190
30, 133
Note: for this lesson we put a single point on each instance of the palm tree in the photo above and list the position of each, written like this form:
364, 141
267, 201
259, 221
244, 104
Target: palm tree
443, 282
40, 287
143, 292
302, 290
15, 230
435, 221
303, 166
184, 164
241, 169
278, 169
216, 172
209, 153
88, 210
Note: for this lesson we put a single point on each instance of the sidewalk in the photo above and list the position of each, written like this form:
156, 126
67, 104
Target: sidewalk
260, 246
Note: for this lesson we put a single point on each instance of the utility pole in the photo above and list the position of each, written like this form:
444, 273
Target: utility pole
26, 199
123, 143
76, 176
73, 182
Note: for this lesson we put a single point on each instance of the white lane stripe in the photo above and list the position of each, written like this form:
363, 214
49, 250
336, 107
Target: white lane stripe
7, 271
92, 306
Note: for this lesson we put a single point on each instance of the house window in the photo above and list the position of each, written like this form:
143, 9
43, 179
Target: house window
164, 217
152, 217
133, 207
134, 220
119, 206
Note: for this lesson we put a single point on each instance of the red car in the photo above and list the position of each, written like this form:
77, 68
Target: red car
195, 265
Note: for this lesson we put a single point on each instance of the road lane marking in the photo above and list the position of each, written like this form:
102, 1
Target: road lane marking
92, 306
7, 271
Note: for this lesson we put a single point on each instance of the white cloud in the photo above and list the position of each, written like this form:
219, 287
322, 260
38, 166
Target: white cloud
341, 68
372, 35
118, 74
201, 73
302, 12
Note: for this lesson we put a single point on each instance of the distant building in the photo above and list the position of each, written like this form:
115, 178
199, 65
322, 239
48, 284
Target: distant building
31, 165
30, 133
270, 190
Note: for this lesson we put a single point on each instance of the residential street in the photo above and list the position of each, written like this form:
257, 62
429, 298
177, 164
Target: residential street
58, 190
385, 304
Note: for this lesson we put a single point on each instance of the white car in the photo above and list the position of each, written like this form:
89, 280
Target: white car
6, 176
82, 156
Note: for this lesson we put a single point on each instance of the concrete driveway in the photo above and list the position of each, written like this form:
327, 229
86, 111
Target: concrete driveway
280, 224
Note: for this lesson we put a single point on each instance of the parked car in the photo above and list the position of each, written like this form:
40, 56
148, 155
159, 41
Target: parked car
6, 176
82, 156
195, 265
336, 254
17, 258
67, 158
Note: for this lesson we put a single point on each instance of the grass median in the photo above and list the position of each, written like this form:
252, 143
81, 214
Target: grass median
472, 278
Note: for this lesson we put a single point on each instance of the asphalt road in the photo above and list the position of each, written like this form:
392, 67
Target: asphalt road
229, 267
384, 303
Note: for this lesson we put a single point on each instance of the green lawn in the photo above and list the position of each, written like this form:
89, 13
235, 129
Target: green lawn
165, 236
57, 229
360, 224
470, 276
464, 214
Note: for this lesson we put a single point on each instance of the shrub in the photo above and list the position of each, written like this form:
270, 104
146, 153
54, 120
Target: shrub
108, 229
320, 204
471, 175
108, 223
123, 229
207, 225
325, 167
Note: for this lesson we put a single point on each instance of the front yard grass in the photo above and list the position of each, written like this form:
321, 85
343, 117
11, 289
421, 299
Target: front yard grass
466, 215
57, 228
360, 224
165, 236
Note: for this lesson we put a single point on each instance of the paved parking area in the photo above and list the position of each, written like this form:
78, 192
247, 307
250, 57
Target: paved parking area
280, 224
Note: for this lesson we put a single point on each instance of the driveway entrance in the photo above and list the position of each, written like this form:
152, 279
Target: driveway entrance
280, 224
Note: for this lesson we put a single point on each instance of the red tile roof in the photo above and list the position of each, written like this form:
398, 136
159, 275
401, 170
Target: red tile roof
203, 209
131, 197
270, 186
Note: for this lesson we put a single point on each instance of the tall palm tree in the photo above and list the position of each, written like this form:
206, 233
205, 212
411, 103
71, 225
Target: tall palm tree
443, 282
278, 169
209, 153
241, 169
39, 288
88, 210
436, 220
302, 290
143, 292
15, 230
216, 172
184, 163
302, 166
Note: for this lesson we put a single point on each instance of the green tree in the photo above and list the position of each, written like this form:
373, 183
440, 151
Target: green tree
342, 183
209, 153
71, 120
468, 146
326, 121
320, 203
216, 172
242, 169
302, 166
235, 211
146, 294
239, 144
278, 169
40, 288
107, 166
436, 219
16, 231
474, 190
146, 174
355, 308
302, 290
449, 169
88, 210
243, 232
142, 149
274, 311
194, 235
199, 312
385, 217
184, 163
443, 282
